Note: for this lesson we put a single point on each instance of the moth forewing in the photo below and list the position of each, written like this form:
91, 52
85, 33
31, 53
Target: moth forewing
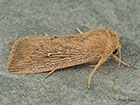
49, 53
42, 54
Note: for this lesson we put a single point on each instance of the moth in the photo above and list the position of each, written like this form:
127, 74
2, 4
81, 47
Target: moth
50, 53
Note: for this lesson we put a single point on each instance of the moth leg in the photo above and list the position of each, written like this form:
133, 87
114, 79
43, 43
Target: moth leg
96, 66
49, 73
115, 57
92, 65
79, 30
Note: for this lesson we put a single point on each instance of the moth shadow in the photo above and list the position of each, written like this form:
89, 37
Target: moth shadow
130, 51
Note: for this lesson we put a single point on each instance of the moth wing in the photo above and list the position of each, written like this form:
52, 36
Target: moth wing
46, 53
10, 44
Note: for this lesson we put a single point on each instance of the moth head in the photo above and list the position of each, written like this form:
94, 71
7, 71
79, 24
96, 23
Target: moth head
114, 44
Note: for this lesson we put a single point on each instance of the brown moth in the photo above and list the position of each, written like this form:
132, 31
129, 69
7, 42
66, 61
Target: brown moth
49, 53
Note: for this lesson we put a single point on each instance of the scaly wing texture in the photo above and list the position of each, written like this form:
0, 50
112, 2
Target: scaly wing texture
46, 53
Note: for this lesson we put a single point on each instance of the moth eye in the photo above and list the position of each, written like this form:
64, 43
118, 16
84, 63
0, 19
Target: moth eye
115, 51
41, 45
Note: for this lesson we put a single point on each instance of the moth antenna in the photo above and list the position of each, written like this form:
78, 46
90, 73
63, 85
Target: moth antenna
111, 27
79, 30
117, 72
115, 57
101, 20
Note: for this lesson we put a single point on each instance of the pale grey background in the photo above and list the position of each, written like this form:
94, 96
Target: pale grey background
23, 18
